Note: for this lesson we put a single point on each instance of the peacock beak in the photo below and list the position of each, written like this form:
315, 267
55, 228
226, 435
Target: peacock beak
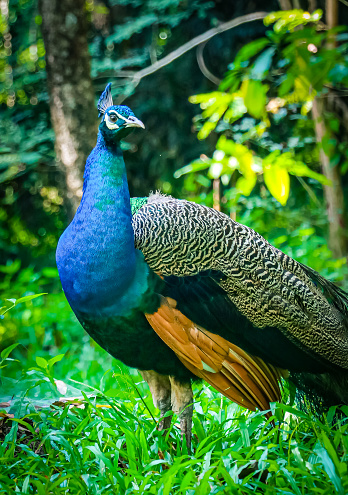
134, 122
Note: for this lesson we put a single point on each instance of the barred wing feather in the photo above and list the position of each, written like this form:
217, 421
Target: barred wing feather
268, 302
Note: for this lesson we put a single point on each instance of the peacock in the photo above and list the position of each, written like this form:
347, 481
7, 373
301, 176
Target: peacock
181, 292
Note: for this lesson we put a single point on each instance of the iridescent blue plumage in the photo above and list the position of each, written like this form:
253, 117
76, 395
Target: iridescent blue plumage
99, 267
100, 241
105, 279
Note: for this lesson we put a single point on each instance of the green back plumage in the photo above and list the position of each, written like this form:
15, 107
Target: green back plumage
137, 203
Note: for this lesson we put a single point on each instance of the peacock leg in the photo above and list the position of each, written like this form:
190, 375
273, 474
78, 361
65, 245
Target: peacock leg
160, 389
182, 404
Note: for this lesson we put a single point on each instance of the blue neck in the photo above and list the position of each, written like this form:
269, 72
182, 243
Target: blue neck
96, 256
105, 164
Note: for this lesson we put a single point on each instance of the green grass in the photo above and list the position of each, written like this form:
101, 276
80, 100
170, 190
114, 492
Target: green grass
117, 449
48, 447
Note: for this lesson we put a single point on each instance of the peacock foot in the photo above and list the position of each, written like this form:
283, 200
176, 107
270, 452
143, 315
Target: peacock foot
182, 405
169, 394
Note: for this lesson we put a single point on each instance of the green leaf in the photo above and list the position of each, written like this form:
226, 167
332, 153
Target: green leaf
29, 298
246, 184
12, 268
195, 166
131, 450
25, 487
40, 361
254, 93
101, 456
262, 64
5, 309
50, 272
55, 359
250, 50
277, 180
329, 145
301, 170
329, 465
206, 129
244, 433
7, 351
287, 85
334, 124
23, 423
287, 20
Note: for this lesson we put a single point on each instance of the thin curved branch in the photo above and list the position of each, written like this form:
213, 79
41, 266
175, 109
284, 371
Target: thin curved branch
204, 69
202, 38
197, 41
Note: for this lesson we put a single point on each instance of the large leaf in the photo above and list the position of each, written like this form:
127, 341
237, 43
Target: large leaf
262, 63
29, 298
250, 50
254, 93
7, 351
289, 19
40, 361
300, 169
293, 166
246, 184
244, 160
195, 166
277, 180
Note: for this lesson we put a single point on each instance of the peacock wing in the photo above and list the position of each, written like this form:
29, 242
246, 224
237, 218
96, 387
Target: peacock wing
244, 379
271, 305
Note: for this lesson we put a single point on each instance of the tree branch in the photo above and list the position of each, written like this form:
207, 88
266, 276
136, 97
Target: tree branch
202, 38
204, 69
197, 41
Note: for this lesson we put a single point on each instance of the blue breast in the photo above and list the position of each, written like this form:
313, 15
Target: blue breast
100, 270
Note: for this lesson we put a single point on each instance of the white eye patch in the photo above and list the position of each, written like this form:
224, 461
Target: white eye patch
112, 125
118, 115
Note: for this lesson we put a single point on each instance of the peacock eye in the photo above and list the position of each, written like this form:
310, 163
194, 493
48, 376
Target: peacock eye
112, 117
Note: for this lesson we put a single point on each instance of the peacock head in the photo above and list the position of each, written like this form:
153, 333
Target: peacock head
118, 120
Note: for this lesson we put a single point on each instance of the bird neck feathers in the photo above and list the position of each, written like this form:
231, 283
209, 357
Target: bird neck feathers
104, 164
96, 256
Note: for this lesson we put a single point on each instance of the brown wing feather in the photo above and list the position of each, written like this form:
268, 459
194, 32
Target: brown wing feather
245, 379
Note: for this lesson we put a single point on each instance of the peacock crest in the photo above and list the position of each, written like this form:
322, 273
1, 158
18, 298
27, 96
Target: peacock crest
105, 100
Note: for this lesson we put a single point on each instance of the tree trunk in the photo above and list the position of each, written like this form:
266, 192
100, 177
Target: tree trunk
285, 4
73, 113
334, 196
